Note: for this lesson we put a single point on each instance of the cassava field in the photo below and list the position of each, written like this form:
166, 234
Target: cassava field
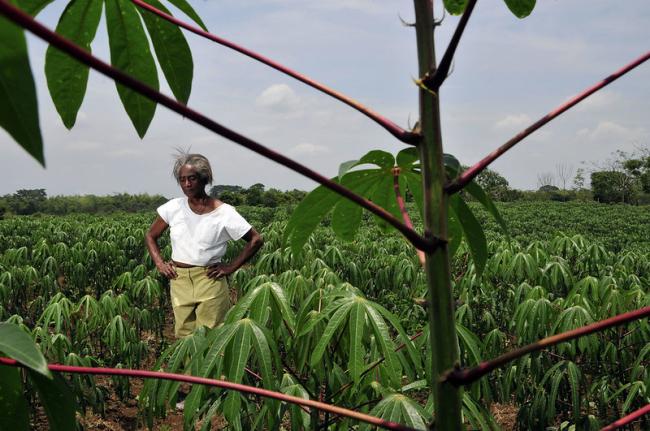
342, 322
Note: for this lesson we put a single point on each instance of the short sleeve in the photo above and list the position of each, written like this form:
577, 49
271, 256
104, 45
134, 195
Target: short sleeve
236, 225
166, 210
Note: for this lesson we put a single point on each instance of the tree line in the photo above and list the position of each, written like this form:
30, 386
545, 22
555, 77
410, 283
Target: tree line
624, 179
34, 201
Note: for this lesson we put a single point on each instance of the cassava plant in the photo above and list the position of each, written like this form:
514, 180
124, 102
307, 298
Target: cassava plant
431, 176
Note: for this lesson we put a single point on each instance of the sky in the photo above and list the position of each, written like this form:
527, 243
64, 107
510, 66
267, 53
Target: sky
506, 74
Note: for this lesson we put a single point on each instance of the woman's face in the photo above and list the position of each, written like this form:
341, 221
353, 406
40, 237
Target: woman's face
190, 182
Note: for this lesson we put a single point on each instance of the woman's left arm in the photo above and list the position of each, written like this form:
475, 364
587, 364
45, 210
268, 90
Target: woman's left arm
254, 242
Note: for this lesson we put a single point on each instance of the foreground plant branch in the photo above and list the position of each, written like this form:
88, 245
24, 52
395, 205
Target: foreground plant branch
220, 384
473, 171
21, 18
395, 130
434, 78
402, 208
469, 375
626, 420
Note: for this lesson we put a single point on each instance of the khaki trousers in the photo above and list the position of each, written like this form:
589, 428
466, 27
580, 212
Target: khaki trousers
197, 300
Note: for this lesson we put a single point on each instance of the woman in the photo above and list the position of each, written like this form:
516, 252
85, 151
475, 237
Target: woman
200, 229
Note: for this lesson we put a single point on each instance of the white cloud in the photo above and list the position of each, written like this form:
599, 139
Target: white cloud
82, 146
278, 97
308, 149
513, 121
611, 131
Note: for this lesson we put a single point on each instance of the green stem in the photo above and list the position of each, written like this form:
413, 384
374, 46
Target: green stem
444, 341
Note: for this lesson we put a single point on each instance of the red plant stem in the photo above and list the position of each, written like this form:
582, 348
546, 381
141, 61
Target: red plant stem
468, 375
402, 208
434, 80
473, 171
645, 410
219, 384
401, 134
21, 18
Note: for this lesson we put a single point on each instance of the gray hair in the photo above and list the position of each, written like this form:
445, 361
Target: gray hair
198, 161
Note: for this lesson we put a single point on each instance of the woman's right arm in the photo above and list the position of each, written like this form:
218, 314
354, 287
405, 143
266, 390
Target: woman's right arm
151, 240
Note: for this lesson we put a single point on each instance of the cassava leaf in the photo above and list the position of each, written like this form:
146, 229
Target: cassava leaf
185, 7
335, 322
130, 53
346, 166
455, 7
16, 344
19, 107
172, 51
347, 215
357, 352
479, 194
66, 77
307, 215
237, 358
407, 157
379, 158
32, 7
472, 231
57, 400
13, 403
521, 8
386, 346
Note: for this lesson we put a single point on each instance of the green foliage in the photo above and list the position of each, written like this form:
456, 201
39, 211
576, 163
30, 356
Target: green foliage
612, 186
66, 77
354, 301
19, 108
12, 401
16, 344
172, 51
377, 185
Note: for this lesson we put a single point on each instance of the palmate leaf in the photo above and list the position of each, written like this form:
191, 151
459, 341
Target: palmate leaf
377, 184
172, 51
66, 77
19, 107
400, 409
130, 53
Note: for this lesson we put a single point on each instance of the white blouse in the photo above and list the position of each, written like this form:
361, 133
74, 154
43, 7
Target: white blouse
201, 239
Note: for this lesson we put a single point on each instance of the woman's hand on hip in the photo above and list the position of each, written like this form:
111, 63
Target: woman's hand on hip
219, 270
167, 269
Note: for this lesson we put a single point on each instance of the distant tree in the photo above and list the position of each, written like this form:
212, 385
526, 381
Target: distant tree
548, 189
613, 186
564, 171
27, 201
579, 179
254, 194
216, 191
494, 184
231, 197
545, 179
